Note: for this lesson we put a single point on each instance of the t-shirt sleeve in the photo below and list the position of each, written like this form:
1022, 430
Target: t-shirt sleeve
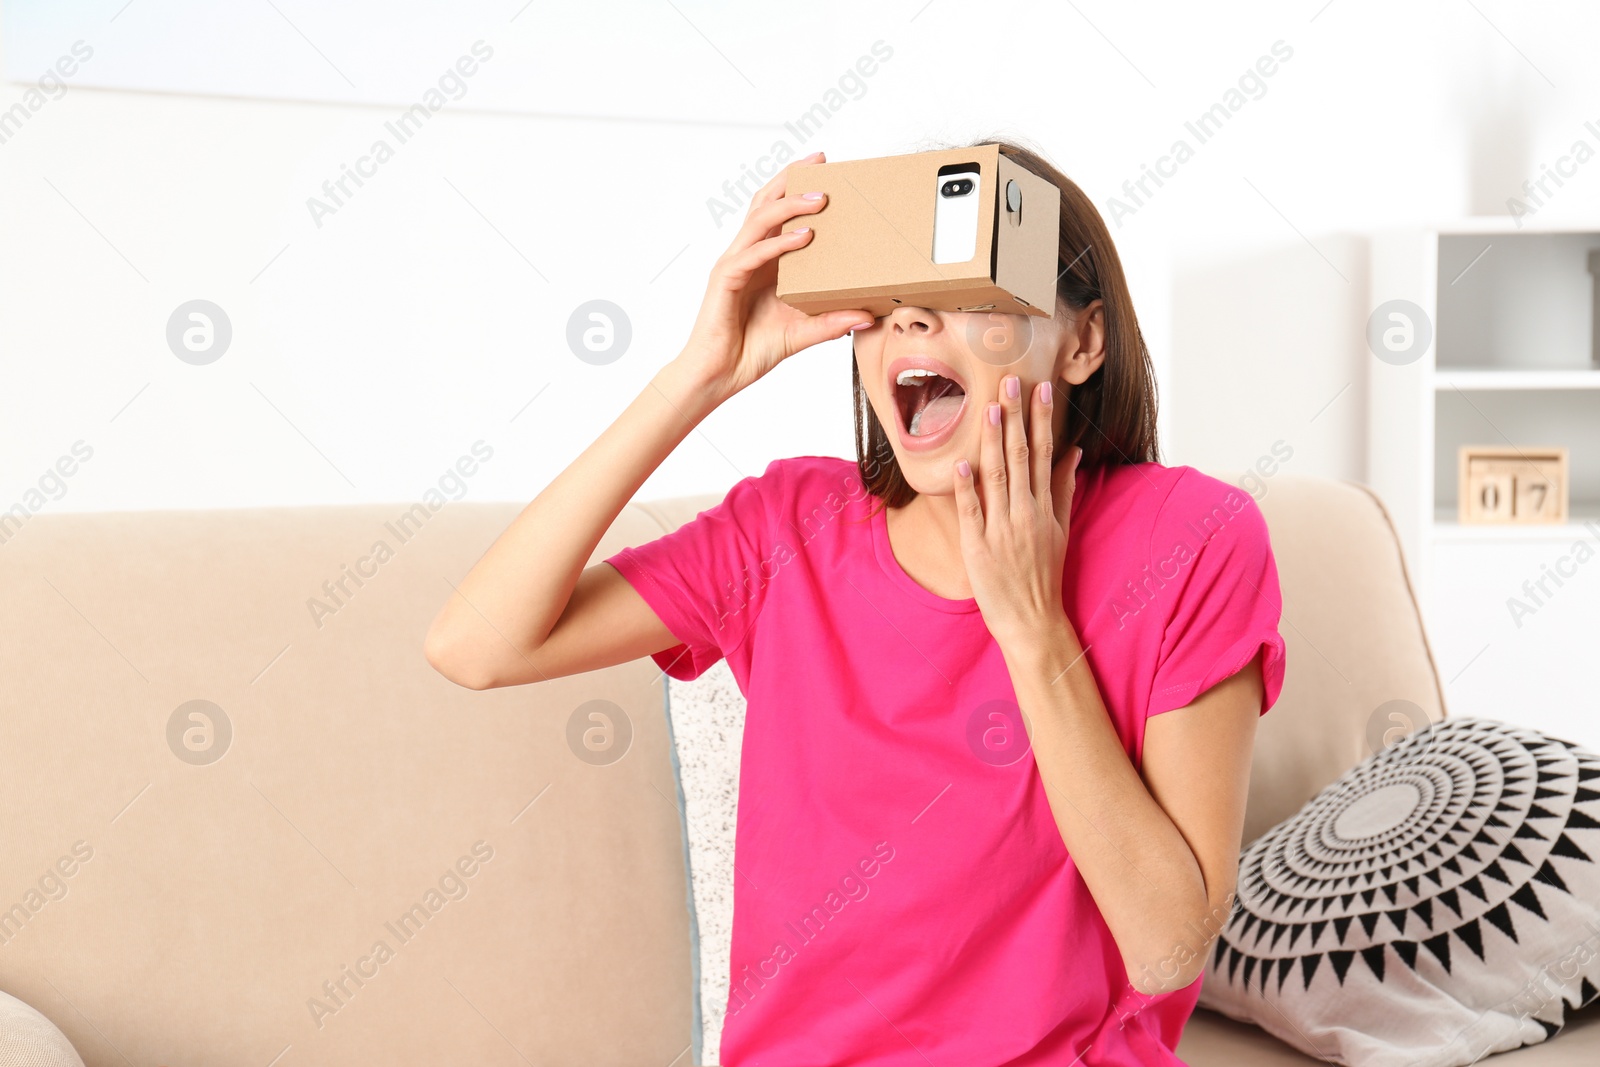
1226, 604
702, 579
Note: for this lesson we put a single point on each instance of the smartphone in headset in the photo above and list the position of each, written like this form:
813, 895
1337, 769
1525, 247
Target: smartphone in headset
955, 213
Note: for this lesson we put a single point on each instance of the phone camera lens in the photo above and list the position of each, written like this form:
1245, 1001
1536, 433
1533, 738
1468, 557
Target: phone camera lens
956, 187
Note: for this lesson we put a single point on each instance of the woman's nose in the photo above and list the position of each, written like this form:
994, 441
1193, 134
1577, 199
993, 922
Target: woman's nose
909, 319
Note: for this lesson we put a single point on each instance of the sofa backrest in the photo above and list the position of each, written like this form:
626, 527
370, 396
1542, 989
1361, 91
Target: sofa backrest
341, 857
1359, 664
382, 867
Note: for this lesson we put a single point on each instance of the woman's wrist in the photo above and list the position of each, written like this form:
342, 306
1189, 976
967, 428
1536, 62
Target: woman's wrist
1047, 650
693, 393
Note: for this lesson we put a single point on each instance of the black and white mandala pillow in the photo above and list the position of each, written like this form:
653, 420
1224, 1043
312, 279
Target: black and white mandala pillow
1438, 903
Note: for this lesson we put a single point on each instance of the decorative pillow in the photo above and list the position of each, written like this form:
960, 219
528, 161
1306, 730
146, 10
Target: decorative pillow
28, 1039
706, 720
1439, 903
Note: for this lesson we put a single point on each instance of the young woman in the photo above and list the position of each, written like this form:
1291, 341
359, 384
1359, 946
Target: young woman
1002, 672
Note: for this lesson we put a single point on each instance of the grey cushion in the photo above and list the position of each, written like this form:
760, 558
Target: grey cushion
706, 717
28, 1039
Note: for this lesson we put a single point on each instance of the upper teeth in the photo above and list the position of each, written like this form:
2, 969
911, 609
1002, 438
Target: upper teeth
915, 372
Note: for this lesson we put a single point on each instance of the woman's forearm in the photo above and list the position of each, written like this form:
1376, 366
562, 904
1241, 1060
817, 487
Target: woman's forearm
1138, 867
522, 584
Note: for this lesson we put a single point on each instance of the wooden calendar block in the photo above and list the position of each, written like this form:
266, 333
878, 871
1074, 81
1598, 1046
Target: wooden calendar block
1526, 485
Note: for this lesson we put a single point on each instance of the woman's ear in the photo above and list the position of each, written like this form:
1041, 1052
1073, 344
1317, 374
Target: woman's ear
1083, 343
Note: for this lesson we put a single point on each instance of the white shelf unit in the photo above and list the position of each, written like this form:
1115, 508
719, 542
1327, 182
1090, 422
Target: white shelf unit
1490, 379
1511, 363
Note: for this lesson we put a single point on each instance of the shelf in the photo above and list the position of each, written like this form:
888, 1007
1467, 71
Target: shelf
1478, 225
1506, 379
1446, 530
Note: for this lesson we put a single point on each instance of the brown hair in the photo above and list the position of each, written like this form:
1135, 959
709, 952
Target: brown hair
1113, 413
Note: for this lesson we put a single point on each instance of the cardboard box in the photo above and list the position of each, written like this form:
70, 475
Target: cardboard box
873, 244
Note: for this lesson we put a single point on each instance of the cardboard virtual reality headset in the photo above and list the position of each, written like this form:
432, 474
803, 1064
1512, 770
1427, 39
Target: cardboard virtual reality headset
957, 229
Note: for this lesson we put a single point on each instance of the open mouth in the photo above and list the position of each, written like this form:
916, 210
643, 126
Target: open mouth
928, 401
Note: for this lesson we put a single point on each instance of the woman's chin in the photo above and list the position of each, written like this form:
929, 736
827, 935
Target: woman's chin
931, 473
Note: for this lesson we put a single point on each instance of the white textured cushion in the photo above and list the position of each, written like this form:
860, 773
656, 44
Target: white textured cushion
706, 717
1438, 903
28, 1039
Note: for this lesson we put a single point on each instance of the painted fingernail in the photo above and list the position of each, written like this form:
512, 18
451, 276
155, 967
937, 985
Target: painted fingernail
964, 468
801, 229
860, 326
1044, 393
811, 196
994, 414
1013, 386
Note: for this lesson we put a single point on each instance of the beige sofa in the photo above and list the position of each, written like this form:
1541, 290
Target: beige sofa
177, 908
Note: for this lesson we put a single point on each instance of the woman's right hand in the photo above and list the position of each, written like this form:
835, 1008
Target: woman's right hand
743, 329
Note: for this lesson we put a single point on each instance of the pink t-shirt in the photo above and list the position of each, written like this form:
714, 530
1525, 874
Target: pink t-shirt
903, 895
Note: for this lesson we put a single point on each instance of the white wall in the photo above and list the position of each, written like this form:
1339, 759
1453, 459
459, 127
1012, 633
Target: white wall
424, 314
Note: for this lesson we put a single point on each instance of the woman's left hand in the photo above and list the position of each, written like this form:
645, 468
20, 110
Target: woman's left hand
1014, 517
